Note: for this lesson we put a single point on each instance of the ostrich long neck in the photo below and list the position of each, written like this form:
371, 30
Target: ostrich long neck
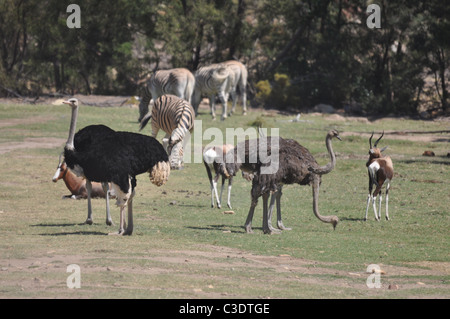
328, 167
73, 124
326, 219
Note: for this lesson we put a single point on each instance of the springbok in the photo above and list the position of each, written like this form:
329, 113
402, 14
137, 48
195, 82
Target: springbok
381, 171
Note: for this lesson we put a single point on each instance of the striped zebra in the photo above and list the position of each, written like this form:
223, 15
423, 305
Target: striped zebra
212, 80
176, 117
240, 80
179, 82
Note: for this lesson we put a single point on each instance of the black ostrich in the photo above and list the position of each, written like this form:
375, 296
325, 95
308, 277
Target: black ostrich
103, 155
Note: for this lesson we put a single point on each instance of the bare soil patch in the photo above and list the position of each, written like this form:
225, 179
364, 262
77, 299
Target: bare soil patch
31, 142
48, 273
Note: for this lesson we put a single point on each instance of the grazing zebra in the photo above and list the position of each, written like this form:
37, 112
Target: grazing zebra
211, 80
240, 80
174, 116
179, 82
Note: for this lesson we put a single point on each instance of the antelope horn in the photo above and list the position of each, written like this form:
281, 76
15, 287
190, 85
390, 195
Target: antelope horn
375, 145
60, 158
370, 140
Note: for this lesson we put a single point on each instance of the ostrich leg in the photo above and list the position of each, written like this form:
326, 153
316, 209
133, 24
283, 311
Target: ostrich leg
279, 221
109, 221
276, 197
248, 222
89, 220
271, 229
129, 229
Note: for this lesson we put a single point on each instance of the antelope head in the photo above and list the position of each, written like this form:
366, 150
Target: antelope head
375, 152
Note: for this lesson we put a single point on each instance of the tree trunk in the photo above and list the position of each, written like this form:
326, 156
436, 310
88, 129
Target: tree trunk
56, 73
237, 29
444, 95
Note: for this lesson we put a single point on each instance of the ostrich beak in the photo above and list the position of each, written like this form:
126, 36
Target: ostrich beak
338, 137
66, 102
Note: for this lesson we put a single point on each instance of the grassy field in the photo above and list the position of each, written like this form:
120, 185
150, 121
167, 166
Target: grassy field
182, 248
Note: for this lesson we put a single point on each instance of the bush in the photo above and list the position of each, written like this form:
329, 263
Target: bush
277, 94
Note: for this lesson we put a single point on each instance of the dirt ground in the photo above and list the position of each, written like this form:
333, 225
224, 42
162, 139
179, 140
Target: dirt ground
220, 259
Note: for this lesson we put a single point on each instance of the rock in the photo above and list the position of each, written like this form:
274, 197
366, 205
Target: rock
425, 115
393, 287
324, 108
428, 153
228, 212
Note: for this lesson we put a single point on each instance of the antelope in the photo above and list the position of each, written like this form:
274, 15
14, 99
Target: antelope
381, 171
76, 185
213, 158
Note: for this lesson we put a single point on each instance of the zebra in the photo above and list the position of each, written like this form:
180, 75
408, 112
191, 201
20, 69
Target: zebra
241, 75
179, 82
211, 80
175, 116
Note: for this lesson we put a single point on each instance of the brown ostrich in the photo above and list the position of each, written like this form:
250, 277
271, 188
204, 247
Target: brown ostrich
296, 165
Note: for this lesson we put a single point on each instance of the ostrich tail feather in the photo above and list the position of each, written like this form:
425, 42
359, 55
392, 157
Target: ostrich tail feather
159, 174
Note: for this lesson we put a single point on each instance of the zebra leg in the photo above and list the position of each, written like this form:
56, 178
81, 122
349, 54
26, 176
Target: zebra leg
244, 100
212, 105
223, 100
234, 100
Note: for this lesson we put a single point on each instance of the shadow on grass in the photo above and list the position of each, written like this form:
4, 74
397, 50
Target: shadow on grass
80, 232
56, 225
83, 233
223, 228
351, 219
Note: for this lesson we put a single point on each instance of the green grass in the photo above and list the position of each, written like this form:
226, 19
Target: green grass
181, 248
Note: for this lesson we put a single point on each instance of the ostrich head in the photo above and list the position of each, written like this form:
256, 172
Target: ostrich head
73, 102
375, 152
334, 133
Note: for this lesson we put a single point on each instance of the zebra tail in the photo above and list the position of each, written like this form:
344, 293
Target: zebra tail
145, 120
